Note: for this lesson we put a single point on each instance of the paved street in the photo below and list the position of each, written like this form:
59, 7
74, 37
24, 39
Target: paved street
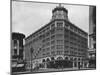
52, 70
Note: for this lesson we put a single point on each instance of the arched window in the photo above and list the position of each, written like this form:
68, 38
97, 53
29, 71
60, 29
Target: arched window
79, 59
71, 58
66, 58
52, 58
59, 58
43, 60
48, 60
75, 59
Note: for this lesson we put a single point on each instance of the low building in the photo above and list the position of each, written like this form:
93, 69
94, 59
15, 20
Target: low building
92, 37
17, 49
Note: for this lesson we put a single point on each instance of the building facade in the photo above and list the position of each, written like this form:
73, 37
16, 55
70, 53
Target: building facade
57, 44
92, 37
17, 49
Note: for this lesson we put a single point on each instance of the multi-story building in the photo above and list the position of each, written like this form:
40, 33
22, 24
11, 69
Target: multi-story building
57, 44
92, 37
17, 49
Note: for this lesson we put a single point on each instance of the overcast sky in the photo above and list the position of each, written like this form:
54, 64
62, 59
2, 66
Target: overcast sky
27, 17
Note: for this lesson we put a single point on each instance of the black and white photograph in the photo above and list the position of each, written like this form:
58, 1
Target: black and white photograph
52, 37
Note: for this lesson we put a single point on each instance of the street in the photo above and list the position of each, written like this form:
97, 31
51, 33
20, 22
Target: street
52, 70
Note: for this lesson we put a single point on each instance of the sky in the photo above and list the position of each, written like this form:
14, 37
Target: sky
27, 17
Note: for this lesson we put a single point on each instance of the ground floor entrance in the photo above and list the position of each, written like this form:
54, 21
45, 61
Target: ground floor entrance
59, 64
63, 64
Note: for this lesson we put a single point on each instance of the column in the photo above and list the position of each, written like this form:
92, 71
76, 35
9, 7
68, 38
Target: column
45, 65
73, 64
83, 65
87, 65
17, 47
77, 64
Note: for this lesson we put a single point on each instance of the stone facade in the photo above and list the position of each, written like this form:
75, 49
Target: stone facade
17, 49
58, 42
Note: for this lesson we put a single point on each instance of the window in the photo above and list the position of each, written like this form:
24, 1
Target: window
47, 44
66, 41
95, 46
48, 33
75, 29
59, 29
66, 31
71, 27
59, 41
66, 36
53, 52
44, 54
21, 52
43, 31
15, 43
52, 26
66, 47
40, 37
47, 39
47, 53
59, 52
43, 50
71, 43
66, 25
48, 49
43, 35
66, 52
43, 60
59, 46
53, 42
66, 58
52, 58
15, 51
59, 35
59, 24
52, 47
48, 28
71, 47
43, 40
52, 31
52, 37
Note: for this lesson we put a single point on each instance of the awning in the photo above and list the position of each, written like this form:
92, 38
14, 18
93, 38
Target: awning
20, 65
13, 65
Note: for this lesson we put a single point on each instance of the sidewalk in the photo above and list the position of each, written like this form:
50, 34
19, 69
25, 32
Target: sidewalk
52, 70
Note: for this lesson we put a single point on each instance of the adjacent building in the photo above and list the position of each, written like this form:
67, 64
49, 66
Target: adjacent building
57, 44
17, 49
92, 36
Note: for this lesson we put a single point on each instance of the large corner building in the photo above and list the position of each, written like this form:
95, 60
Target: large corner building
57, 44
